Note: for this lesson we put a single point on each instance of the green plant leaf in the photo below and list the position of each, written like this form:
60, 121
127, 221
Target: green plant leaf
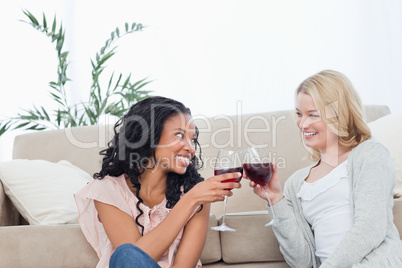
31, 18
45, 113
106, 57
58, 117
118, 81
36, 127
4, 127
126, 82
22, 125
64, 55
110, 81
44, 23
100, 101
54, 24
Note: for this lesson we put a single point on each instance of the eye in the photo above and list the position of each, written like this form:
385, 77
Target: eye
314, 115
298, 114
180, 135
194, 141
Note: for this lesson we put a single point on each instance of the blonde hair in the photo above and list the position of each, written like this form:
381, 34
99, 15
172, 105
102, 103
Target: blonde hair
339, 106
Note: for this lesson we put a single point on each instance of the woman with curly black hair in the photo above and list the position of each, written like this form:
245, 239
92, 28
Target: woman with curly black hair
148, 206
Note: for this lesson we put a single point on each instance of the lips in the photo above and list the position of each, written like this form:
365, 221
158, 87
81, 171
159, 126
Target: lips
309, 135
185, 160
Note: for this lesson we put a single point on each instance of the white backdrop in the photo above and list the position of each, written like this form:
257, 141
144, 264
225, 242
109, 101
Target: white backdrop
218, 57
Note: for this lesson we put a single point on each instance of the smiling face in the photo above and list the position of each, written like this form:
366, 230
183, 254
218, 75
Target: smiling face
316, 134
176, 146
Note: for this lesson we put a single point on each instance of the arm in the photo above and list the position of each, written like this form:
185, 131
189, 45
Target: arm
296, 241
121, 227
193, 240
294, 233
373, 180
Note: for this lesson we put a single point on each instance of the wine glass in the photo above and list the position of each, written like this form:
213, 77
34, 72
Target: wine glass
258, 168
227, 162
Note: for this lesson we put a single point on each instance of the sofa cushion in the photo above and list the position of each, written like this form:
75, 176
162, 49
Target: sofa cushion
46, 246
388, 130
253, 241
42, 191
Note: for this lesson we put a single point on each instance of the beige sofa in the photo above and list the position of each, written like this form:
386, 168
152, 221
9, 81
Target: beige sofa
252, 245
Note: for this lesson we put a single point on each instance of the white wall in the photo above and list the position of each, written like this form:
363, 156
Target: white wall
215, 56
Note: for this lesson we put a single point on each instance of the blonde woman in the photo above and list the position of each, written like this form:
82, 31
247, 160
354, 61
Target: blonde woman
339, 210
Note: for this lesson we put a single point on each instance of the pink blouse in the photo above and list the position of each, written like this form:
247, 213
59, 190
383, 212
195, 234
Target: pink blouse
114, 191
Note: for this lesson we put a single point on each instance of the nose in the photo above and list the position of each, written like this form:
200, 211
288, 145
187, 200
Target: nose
189, 146
304, 123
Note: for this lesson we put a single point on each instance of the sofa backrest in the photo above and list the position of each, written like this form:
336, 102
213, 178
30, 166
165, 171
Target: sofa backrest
81, 146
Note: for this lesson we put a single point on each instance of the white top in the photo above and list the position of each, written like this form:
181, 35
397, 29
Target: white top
326, 207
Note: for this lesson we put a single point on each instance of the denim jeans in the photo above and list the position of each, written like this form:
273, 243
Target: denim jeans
128, 256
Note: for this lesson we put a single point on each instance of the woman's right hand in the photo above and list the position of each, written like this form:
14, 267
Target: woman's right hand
274, 187
213, 189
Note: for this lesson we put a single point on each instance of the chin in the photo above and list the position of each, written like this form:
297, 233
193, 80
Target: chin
180, 171
311, 144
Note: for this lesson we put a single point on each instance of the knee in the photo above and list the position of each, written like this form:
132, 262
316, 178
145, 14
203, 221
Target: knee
121, 255
128, 255
123, 250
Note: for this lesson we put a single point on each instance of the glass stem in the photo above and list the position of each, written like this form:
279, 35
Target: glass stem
269, 201
224, 209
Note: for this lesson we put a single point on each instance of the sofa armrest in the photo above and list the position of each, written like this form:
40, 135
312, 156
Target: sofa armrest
45, 246
252, 241
8, 213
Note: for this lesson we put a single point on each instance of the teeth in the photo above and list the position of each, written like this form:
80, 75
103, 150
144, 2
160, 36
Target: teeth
309, 133
184, 160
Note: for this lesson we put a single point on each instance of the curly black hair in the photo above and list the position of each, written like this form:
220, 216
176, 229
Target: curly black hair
136, 136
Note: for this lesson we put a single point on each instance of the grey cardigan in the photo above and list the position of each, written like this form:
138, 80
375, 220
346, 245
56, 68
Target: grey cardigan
372, 241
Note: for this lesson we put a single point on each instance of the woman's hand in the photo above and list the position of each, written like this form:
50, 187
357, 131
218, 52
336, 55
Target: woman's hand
213, 189
274, 187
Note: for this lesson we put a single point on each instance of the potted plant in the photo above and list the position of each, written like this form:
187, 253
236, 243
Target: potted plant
113, 99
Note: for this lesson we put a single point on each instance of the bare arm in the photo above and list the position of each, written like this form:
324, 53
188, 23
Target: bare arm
121, 227
193, 240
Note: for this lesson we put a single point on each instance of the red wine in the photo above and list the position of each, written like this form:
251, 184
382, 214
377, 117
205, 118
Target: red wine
259, 173
229, 170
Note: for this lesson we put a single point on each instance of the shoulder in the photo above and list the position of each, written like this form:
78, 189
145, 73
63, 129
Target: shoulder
369, 145
372, 158
109, 190
99, 186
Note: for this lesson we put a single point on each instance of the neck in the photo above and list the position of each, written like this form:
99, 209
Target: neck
335, 155
153, 182
153, 188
